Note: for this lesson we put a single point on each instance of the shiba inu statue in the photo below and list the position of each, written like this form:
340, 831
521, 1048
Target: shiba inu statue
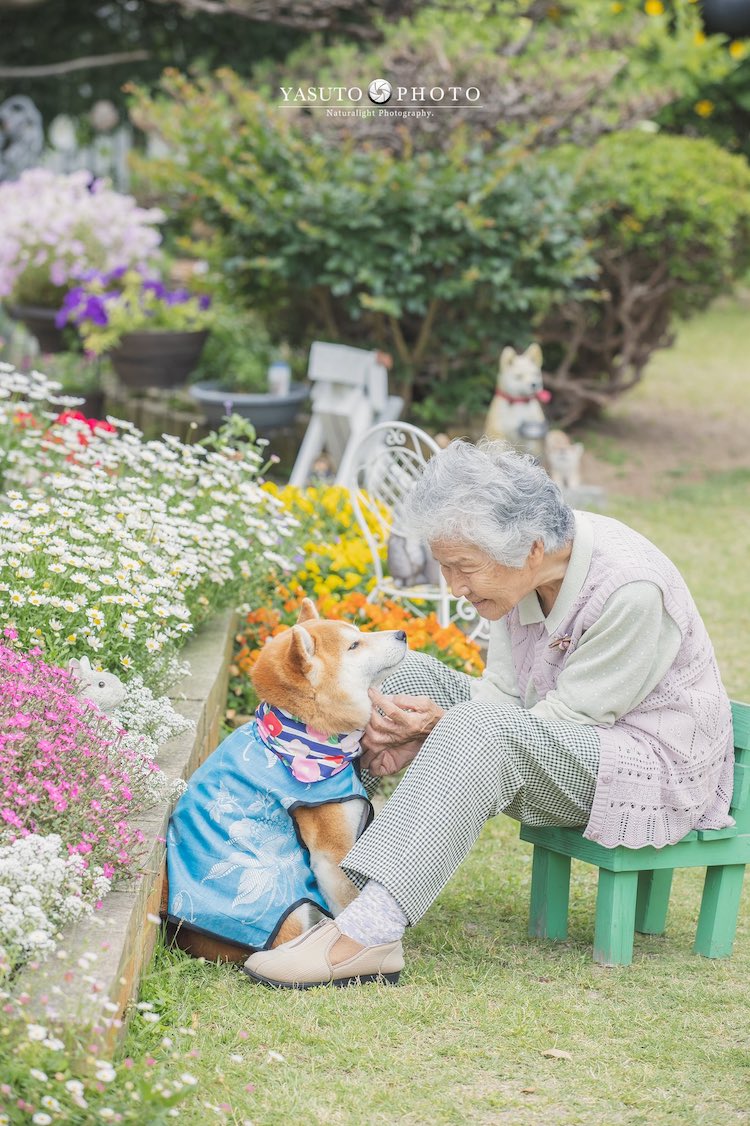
515, 413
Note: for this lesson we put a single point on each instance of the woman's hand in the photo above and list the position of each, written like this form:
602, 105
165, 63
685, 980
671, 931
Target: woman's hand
397, 729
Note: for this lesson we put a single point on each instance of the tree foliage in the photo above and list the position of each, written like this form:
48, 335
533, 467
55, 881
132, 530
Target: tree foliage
548, 72
445, 253
440, 257
59, 30
670, 226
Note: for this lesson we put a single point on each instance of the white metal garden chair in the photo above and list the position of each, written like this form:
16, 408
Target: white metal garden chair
384, 466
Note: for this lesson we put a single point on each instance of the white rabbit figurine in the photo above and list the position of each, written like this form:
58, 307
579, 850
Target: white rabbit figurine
104, 688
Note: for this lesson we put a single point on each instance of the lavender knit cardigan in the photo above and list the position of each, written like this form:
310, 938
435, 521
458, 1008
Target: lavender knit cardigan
665, 767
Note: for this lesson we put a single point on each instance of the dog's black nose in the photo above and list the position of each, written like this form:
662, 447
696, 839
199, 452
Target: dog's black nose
400, 635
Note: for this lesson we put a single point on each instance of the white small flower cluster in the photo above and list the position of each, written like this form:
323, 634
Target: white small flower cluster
53, 227
41, 889
121, 546
148, 719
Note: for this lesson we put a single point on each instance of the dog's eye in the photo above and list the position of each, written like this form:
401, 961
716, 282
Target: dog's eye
354, 645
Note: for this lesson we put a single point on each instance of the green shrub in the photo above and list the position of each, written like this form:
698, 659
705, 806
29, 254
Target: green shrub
237, 352
440, 257
670, 223
547, 72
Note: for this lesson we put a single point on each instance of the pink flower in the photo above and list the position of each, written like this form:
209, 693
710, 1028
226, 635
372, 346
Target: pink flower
350, 742
59, 758
305, 769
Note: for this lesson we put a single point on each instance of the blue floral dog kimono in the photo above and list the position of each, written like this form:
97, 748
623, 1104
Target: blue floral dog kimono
236, 865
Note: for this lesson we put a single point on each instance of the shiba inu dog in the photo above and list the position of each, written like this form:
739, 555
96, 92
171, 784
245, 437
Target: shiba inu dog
254, 845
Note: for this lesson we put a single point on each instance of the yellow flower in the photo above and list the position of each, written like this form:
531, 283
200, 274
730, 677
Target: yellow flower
704, 108
737, 50
654, 8
632, 223
699, 38
617, 8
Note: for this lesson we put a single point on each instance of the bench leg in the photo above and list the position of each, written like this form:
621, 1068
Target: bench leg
550, 889
652, 903
720, 906
615, 917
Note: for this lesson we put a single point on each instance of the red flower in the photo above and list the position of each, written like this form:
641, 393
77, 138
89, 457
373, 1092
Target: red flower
272, 723
92, 423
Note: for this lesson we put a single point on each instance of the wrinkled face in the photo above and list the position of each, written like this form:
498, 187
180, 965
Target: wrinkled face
491, 588
321, 671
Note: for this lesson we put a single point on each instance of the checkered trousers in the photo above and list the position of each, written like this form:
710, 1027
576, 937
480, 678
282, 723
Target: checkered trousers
480, 760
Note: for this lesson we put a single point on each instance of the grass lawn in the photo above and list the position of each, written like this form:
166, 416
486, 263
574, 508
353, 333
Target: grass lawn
462, 1039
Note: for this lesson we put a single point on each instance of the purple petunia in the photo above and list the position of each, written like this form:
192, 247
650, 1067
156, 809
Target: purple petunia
158, 289
70, 303
120, 297
79, 306
177, 297
95, 310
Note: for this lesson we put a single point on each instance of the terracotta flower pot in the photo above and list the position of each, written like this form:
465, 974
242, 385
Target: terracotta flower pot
157, 359
40, 322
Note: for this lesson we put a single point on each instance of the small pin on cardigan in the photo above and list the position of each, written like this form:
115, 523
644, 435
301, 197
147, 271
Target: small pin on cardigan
561, 643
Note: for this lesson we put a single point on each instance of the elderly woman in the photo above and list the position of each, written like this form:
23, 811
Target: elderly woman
601, 706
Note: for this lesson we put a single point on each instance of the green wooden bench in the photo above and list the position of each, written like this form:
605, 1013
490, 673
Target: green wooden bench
634, 884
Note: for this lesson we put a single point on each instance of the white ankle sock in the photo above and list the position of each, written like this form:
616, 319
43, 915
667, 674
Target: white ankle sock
374, 917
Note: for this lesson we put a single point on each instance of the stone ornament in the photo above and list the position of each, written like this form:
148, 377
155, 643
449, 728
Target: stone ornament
563, 459
21, 136
515, 413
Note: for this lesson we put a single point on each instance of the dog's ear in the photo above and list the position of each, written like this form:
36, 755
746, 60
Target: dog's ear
507, 356
534, 353
302, 648
307, 611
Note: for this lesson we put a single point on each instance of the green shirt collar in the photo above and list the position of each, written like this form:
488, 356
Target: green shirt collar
529, 608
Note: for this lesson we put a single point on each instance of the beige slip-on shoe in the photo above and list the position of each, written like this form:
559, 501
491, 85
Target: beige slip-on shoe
305, 962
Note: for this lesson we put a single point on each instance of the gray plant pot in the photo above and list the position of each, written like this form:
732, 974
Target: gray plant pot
265, 411
157, 359
726, 17
40, 322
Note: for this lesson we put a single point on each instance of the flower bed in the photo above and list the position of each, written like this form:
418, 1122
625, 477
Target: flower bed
115, 548
118, 939
65, 1015
119, 547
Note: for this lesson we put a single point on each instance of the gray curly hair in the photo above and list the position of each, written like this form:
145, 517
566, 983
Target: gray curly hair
492, 497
